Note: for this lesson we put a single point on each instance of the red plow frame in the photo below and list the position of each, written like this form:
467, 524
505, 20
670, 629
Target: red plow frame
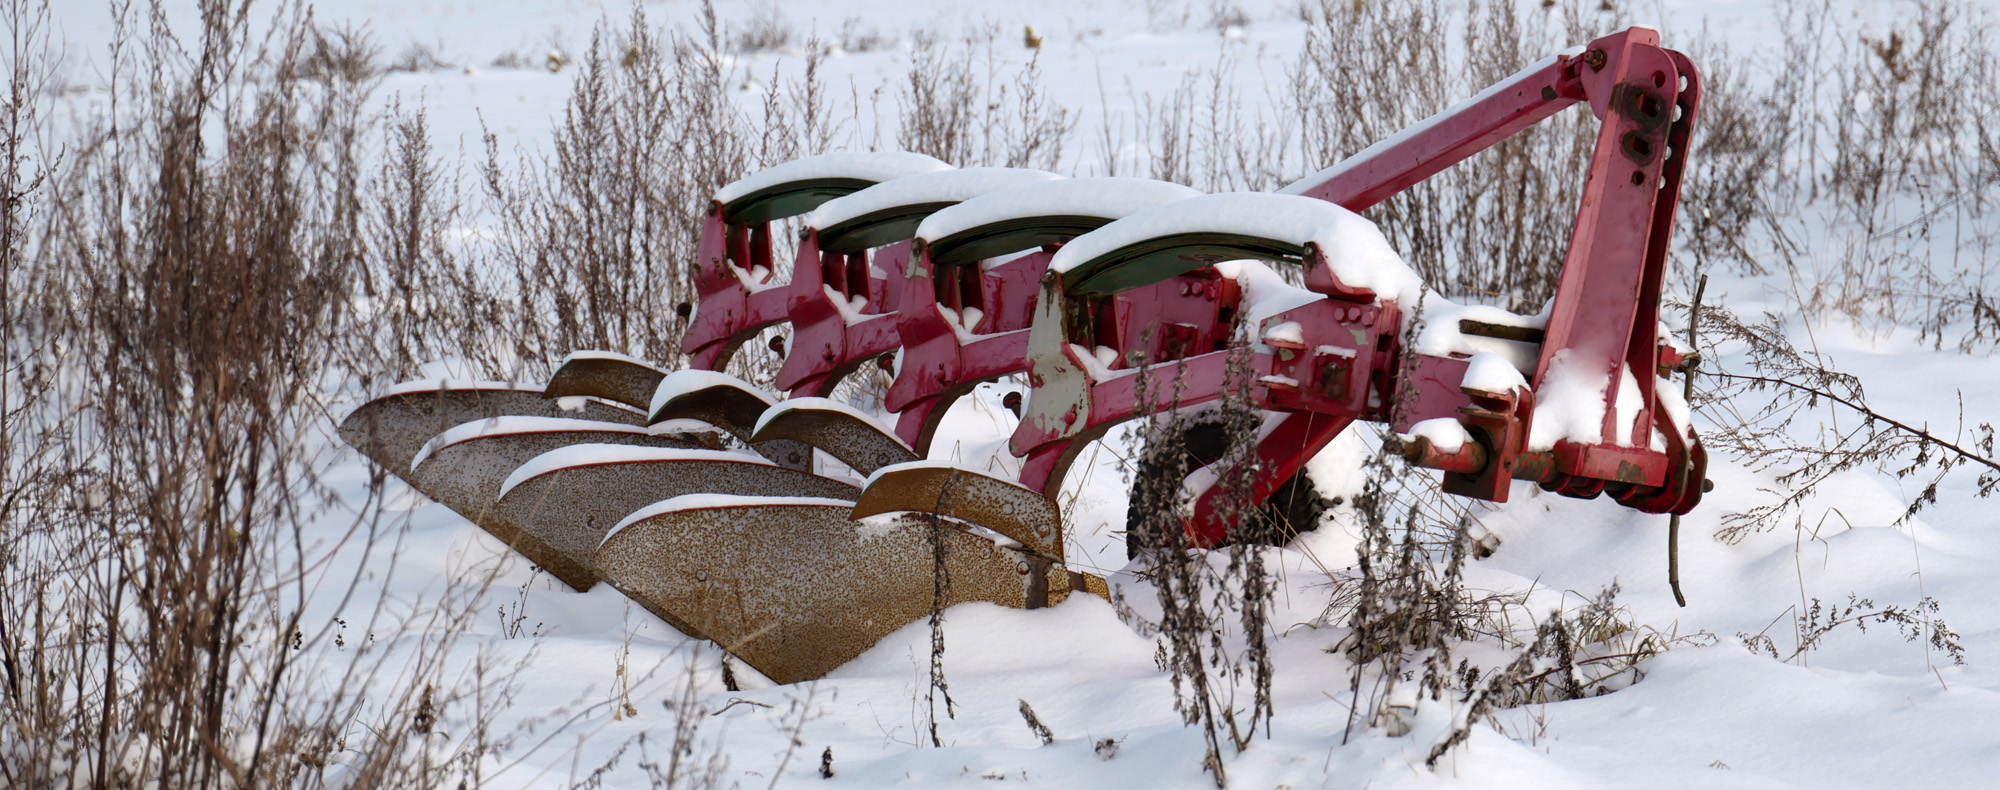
1116, 298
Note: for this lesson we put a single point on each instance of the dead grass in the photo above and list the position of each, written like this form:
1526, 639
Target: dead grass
183, 281
1872, 189
1495, 228
178, 281
767, 30
181, 285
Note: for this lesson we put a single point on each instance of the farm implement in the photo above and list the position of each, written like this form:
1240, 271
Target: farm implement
796, 531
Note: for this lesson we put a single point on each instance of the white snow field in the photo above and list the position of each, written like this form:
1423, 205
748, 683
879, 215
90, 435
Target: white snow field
591, 672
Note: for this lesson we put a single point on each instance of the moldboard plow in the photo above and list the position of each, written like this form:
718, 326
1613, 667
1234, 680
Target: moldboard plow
719, 505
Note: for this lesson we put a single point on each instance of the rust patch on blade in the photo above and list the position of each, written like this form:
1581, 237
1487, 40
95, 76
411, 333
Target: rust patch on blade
571, 508
859, 444
612, 379
1019, 513
390, 429
467, 476
797, 590
786, 453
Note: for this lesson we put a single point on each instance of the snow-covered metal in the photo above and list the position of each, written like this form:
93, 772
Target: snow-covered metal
1117, 299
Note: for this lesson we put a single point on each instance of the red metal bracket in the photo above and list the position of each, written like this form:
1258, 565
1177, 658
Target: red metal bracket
1604, 322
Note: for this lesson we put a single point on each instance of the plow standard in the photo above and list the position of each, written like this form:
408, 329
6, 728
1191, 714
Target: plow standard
716, 504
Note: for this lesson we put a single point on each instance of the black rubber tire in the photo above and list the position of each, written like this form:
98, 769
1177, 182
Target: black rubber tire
1296, 506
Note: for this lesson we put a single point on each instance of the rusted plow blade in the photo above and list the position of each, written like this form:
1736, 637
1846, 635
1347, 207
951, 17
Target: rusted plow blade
728, 403
1015, 512
391, 428
466, 467
797, 587
568, 498
771, 562
836, 429
600, 374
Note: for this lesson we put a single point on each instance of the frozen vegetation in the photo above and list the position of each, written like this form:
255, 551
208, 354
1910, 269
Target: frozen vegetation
203, 586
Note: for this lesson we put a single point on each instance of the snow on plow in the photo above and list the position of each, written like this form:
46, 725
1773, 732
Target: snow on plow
717, 505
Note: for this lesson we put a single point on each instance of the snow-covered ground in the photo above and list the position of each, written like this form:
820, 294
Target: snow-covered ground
1865, 709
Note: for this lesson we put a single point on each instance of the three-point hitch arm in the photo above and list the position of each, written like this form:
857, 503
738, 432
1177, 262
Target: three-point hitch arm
1609, 429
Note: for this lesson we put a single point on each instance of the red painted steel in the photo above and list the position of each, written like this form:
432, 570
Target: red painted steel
1171, 340
1604, 319
825, 346
737, 299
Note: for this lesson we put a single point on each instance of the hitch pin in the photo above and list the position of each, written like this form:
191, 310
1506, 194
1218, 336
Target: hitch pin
1469, 459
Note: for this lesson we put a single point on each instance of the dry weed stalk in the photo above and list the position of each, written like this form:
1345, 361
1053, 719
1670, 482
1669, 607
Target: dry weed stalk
1496, 227
181, 284
1918, 623
949, 112
1872, 191
180, 281
1206, 609
183, 281
1782, 393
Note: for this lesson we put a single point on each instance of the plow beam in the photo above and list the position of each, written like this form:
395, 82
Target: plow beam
844, 302
1322, 356
734, 271
961, 323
